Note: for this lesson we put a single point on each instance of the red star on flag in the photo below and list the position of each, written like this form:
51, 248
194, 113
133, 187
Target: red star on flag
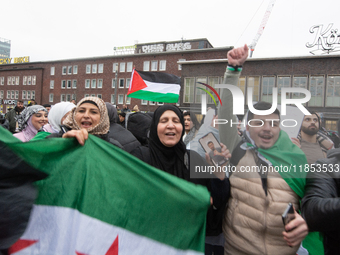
113, 250
20, 245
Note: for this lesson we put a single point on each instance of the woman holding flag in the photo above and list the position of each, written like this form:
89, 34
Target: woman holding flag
88, 117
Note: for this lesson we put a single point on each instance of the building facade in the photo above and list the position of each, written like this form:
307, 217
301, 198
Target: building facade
105, 77
318, 74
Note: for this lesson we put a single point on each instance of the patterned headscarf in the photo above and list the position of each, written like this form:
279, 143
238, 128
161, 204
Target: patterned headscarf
26, 114
25, 121
104, 124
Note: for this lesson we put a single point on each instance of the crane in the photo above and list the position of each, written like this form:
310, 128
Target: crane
262, 26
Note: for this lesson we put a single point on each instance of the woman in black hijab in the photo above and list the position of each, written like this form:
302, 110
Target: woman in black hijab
166, 150
168, 153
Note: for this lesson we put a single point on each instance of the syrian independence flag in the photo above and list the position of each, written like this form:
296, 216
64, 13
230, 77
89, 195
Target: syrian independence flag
99, 199
154, 86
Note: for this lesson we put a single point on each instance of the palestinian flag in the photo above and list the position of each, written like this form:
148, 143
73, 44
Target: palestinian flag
98, 199
154, 86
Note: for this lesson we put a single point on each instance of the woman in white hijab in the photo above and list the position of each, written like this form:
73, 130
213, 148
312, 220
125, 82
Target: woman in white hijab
58, 114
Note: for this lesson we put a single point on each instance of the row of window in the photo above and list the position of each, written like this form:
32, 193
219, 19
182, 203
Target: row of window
122, 67
15, 80
14, 94
92, 83
122, 99
263, 88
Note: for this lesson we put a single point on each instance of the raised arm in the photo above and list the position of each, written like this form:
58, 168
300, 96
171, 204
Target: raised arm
229, 135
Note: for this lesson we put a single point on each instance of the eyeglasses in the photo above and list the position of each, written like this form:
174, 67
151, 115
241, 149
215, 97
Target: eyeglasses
311, 119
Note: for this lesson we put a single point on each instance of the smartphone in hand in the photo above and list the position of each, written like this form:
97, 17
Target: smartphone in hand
211, 146
288, 215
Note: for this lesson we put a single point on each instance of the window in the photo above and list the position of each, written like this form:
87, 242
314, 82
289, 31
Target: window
316, 88
100, 68
189, 86
160, 103
199, 92
17, 94
162, 65
34, 80
99, 96
93, 95
64, 70
17, 79
154, 65
13, 80
23, 94
74, 84
180, 65
254, 83
9, 80
75, 69
29, 80
152, 102
333, 91
86, 95
62, 98
115, 67
113, 83
93, 84
8, 96
268, 84
100, 83
12, 94
144, 102
25, 80
122, 67
1, 94
242, 84
128, 82
127, 99
50, 98
299, 82
94, 68
2, 80
331, 125
112, 98
87, 84
88, 68
63, 84
69, 84
68, 97
52, 70
28, 94
129, 66
33, 94
212, 81
121, 83
69, 70
120, 99
282, 82
146, 66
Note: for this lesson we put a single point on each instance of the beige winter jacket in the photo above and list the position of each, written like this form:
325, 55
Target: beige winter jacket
253, 223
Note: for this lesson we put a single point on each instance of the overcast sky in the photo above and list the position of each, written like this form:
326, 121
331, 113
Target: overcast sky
64, 29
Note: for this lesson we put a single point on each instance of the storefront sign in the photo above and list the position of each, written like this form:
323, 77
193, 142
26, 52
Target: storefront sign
325, 41
5, 61
8, 101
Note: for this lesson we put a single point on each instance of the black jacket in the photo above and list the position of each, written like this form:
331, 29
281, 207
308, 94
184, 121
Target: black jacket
123, 136
321, 203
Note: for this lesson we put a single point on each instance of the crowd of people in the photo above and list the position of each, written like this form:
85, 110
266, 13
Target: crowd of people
246, 207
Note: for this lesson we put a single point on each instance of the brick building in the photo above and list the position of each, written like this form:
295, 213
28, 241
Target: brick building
106, 77
193, 60
319, 74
